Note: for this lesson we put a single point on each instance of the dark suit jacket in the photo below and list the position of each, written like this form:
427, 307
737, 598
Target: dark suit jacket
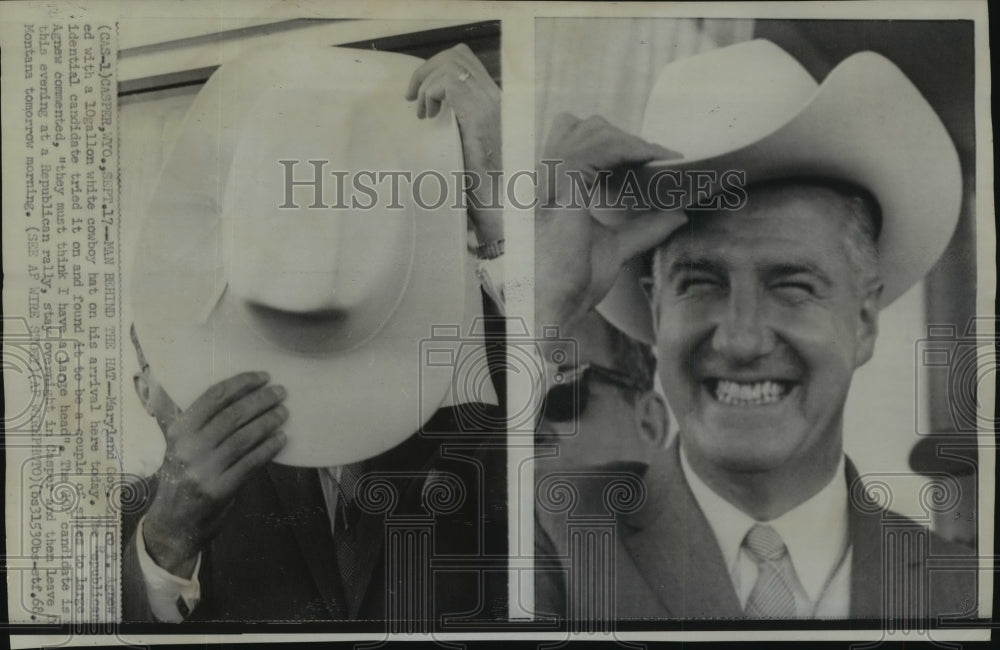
668, 564
275, 560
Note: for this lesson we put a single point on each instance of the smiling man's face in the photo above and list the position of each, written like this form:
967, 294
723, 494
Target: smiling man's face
761, 323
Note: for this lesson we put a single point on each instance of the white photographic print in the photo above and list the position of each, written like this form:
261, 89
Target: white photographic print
467, 322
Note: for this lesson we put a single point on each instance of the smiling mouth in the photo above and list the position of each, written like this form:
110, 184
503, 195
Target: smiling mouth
755, 393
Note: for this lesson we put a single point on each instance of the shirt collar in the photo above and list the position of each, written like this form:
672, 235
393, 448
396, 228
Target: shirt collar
815, 531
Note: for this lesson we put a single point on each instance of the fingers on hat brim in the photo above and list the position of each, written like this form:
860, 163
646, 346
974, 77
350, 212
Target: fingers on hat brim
562, 125
222, 394
460, 56
432, 93
645, 231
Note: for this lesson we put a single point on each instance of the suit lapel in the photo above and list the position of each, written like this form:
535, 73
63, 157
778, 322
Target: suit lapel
301, 498
866, 552
672, 546
888, 553
416, 454
368, 540
371, 529
670, 542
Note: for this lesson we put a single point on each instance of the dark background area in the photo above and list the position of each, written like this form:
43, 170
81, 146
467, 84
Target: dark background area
482, 38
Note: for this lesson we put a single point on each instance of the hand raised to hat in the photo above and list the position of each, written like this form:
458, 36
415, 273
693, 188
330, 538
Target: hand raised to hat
577, 258
231, 430
457, 76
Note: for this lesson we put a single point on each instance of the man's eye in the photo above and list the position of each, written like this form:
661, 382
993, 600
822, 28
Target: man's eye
795, 289
698, 283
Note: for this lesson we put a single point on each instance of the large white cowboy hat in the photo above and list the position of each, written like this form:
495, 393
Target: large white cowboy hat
332, 301
753, 107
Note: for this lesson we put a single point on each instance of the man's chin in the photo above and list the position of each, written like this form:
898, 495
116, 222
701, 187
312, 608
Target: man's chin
748, 465
742, 451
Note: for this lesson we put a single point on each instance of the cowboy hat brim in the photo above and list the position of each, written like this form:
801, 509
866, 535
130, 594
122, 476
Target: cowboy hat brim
350, 404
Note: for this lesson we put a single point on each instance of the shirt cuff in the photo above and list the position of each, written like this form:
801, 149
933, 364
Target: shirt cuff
172, 599
491, 277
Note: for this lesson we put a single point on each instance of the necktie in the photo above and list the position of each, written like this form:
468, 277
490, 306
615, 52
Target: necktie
345, 535
771, 596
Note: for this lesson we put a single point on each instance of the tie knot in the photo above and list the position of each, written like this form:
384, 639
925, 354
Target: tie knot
764, 544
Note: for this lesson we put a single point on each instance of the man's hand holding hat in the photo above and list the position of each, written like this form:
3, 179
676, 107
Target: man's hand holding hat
229, 432
580, 257
457, 76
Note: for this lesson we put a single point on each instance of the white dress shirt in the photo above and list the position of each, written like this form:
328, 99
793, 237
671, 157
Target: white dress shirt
815, 533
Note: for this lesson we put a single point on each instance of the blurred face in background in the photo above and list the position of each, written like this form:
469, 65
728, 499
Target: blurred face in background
604, 411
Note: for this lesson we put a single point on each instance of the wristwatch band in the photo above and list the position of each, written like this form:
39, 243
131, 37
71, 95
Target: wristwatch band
490, 250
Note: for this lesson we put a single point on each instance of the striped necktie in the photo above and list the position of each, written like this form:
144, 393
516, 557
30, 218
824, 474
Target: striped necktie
771, 596
345, 535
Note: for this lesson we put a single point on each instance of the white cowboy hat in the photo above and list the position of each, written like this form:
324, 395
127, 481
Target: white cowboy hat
753, 107
332, 301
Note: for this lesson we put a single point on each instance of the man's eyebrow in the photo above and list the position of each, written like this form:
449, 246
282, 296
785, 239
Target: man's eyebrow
686, 264
784, 269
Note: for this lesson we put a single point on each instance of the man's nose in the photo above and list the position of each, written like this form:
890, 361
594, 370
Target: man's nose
742, 333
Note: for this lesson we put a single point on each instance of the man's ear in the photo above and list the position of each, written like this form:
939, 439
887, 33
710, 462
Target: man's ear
867, 327
141, 384
652, 419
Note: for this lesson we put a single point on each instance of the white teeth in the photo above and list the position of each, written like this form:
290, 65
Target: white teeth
754, 394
